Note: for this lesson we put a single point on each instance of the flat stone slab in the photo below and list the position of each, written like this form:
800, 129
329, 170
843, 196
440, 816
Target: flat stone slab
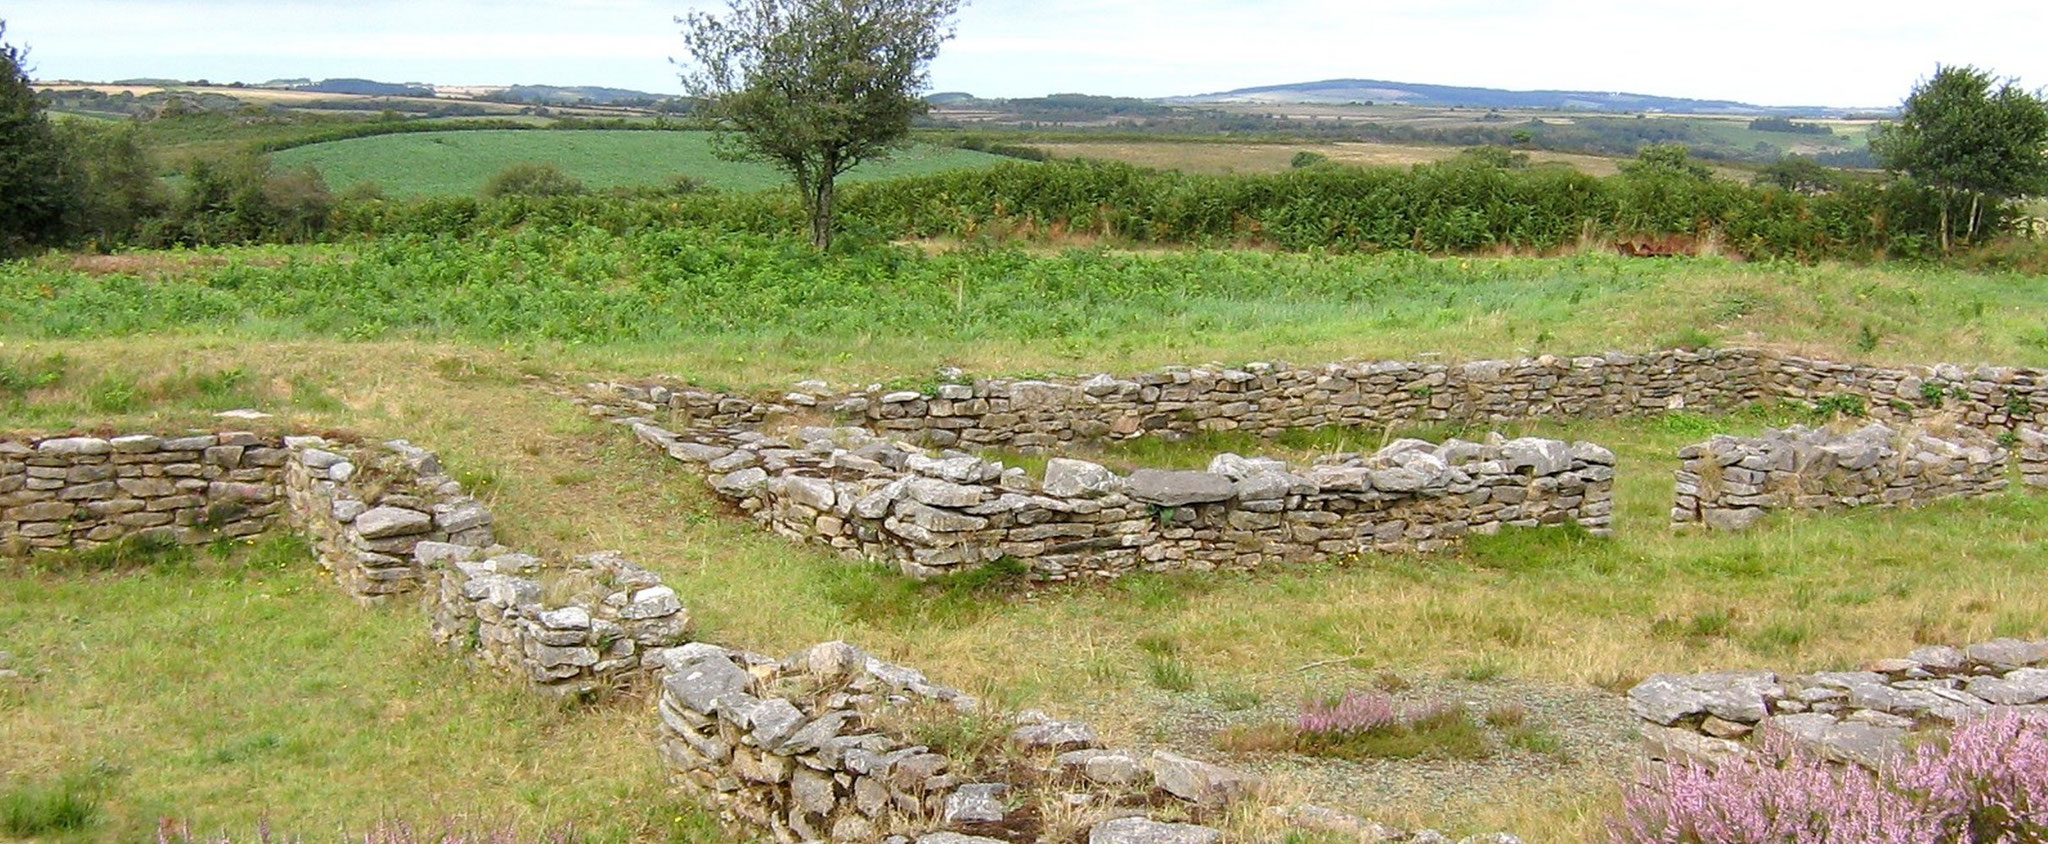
1179, 489
1739, 696
384, 522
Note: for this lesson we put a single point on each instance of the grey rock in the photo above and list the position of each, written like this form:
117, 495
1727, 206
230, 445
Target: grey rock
1539, 456
976, 803
1200, 782
956, 838
1115, 769
74, 447
938, 493
1592, 454
382, 522
740, 484
1490, 838
463, 516
1065, 478
1674, 744
816, 493
1056, 736
1844, 741
566, 618
704, 682
1146, 831
1739, 696
1939, 656
959, 470
2011, 653
812, 791
1178, 489
652, 602
2018, 687
1722, 518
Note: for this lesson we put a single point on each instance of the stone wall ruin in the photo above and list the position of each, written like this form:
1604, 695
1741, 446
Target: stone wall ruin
1730, 483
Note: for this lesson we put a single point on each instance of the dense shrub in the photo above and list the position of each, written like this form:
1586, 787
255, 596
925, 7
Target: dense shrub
529, 178
1986, 782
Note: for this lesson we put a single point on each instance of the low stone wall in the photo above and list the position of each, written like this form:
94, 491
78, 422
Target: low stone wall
1269, 398
2033, 450
1730, 483
368, 509
595, 625
884, 499
82, 492
1861, 717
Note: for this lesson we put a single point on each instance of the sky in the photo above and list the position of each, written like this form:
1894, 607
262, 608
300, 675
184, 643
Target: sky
1782, 52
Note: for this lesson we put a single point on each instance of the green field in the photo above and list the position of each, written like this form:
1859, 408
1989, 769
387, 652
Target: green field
459, 163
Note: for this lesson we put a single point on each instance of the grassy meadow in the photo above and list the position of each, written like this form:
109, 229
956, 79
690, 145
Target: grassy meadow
459, 163
447, 342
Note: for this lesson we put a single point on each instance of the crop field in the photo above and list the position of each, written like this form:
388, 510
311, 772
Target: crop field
446, 342
459, 163
1222, 158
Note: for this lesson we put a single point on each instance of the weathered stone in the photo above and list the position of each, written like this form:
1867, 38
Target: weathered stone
1200, 782
1674, 744
2012, 653
74, 447
700, 685
2017, 688
1114, 769
956, 838
1146, 831
814, 792
741, 483
1844, 741
1736, 696
383, 522
976, 803
1055, 736
1065, 478
652, 602
1178, 489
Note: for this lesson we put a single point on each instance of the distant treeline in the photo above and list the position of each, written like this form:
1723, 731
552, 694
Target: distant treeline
1588, 134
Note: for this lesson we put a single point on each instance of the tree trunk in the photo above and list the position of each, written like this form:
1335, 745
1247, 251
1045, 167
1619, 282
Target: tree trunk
1972, 236
1944, 222
821, 214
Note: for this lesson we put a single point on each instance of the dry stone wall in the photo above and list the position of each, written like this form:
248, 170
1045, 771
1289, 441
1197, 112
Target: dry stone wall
2033, 449
885, 499
82, 492
1269, 398
1730, 483
1862, 717
368, 510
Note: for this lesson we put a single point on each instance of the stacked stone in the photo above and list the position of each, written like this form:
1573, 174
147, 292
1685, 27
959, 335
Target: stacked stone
1860, 717
1987, 398
369, 508
884, 499
2033, 446
82, 492
600, 638
1730, 483
791, 746
1269, 398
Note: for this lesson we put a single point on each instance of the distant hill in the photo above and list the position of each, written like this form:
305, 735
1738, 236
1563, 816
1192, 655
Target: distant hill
1347, 91
365, 88
577, 95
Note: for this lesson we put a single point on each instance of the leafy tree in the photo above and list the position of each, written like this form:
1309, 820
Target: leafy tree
1969, 136
1666, 160
39, 192
1798, 174
120, 184
814, 87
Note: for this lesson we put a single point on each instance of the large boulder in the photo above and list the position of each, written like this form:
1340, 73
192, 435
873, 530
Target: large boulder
1199, 782
1740, 696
